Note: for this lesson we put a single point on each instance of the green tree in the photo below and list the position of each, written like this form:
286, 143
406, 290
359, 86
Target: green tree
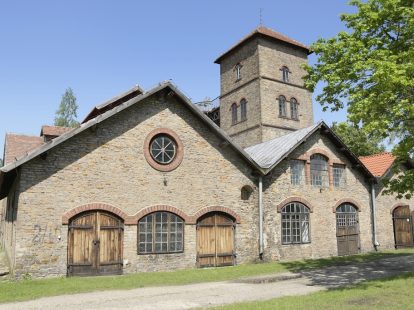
358, 141
67, 113
370, 68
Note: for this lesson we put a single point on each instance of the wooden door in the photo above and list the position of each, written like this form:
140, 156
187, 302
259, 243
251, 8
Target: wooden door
403, 227
215, 240
95, 244
347, 230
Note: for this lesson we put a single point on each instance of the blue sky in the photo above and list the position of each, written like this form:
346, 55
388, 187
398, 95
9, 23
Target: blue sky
102, 48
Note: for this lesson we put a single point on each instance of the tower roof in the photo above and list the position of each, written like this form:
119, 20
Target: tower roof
268, 33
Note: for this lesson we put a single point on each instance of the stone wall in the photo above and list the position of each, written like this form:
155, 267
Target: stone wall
107, 164
321, 201
384, 208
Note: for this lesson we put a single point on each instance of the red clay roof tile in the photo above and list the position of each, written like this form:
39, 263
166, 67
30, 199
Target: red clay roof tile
17, 146
378, 164
268, 33
55, 131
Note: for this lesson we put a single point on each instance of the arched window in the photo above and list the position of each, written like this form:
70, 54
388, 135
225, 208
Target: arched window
319, 170
294, 108
237, 68
282, 106
285, 74
295, 223
246, 192
234, 113
160, 232
243, 109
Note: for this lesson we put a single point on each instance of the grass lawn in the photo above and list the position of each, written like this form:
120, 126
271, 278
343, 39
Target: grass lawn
389, 293
31, 289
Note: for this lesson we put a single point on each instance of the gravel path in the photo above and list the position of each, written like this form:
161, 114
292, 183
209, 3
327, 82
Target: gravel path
218, 293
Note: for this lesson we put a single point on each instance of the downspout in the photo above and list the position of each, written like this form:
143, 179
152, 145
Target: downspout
261, 217
374, 217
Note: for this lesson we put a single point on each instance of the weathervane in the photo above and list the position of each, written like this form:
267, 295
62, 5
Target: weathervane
260, 17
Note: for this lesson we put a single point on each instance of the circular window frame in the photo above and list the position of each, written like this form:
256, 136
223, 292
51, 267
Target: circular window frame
179, 151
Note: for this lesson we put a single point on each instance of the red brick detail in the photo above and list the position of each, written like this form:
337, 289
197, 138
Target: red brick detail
178, 157
294, 199
346, 200
90, 207
206, 210
133, 220
397, 205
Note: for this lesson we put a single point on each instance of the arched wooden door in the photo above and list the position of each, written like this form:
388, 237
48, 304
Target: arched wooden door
347, 229
215, 240
403, 227
95, 244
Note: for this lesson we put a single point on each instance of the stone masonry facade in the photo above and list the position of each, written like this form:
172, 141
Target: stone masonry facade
108, 167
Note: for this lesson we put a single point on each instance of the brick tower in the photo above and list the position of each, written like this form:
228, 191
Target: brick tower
262, 91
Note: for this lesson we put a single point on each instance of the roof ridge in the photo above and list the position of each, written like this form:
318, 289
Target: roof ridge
377, 154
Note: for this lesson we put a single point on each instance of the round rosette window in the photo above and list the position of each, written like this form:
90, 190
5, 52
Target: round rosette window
163, 149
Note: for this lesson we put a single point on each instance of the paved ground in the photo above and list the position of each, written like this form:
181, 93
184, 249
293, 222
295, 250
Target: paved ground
212, 294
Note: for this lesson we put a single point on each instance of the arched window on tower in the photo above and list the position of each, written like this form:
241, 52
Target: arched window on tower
282, 106
237, 68
294, 108
243, 109
285, 73
234, 113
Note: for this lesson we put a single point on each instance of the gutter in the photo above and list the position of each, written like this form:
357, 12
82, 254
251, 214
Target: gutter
374, 217
261, 245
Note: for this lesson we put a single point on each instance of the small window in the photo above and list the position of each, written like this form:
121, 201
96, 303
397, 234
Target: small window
243, 109
319, 170
346, 215
294, 109
285, 74
234, 113
282, 106
295, 223
246, 192
238, 71
339, 177
297, 168
163, 149
160, 232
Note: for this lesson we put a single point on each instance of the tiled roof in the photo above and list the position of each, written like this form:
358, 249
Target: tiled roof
54, 130
269, 33
268, 153
114, 102
17, 146
378, 164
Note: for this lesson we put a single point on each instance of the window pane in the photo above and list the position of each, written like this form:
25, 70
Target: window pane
295, 223
339, 175
319, 170
297, 169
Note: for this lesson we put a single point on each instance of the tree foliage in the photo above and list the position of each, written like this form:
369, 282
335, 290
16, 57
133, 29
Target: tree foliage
358, 141
370, 68
67, 113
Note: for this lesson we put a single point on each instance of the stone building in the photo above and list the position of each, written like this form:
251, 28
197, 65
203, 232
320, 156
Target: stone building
149, 182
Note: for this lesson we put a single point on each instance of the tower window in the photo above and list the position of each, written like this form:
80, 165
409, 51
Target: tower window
243, 108
282, 106
238, 71
294, 108
234, 113
285, 73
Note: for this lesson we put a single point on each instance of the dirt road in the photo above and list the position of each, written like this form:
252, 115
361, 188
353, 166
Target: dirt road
218, 293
